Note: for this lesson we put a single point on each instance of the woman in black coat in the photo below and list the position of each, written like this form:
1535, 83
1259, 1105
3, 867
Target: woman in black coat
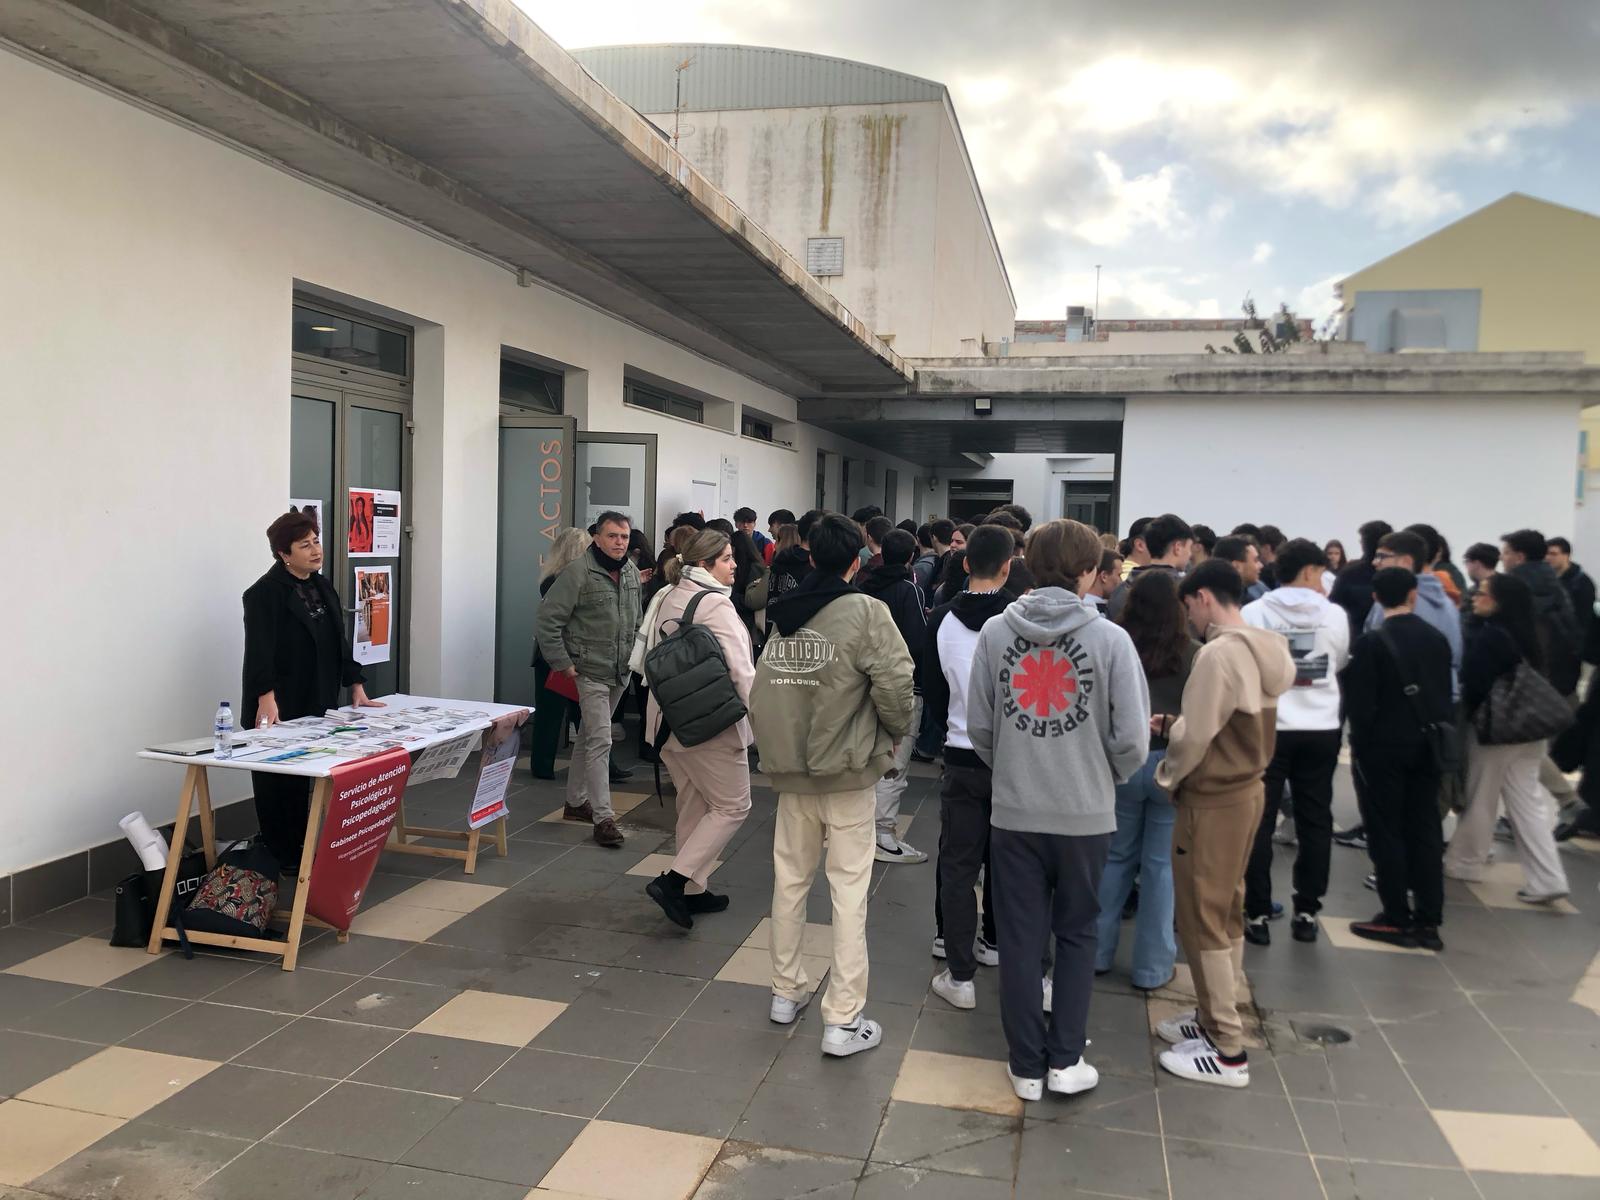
296, 658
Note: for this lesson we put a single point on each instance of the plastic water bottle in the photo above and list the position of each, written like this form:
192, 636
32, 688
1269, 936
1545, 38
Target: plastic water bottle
222, 733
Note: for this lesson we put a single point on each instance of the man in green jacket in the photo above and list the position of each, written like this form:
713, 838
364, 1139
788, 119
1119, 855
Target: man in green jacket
587, 623
831, 699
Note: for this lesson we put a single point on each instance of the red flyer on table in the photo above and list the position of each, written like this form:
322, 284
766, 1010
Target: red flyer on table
363, 804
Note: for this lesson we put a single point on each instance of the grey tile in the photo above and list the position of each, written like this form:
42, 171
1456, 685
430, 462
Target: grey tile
557, 1083
488, 1141
887, 1182
823, 1121
704, 1105
188, 979
1375, 1133
1526, 1012
89, 917
142, 1161
1494, 1186
221, 1031
18, 943
1203, 1172
1462, 1086
312, 1046
1130, 1054
37, 890
238, 1102
571, 943
391, 1002
547, 979
600, 1032
748, 1172
1398, 1001
1379, 1181
421, 1062
1243, 1118
365, 1122
401, 1182
1306, 1075
1548, 1050
292, 993
734, 1004
676, 956
271, 1172
659, 995
802, 1064
358, 956
27, 1059
956, 1141
458, 967
1369, 1074
1117, 1102
484, 931
1442, 1037
1103, 1160
719, 1050
976, 1033
104, 1017
22, 998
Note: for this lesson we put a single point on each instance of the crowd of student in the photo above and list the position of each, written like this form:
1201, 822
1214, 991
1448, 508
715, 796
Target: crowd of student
1114, 718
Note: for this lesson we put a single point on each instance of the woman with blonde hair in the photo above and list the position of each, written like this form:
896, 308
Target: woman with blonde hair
713, 776
550, 709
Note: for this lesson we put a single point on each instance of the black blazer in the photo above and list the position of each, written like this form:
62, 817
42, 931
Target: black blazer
280, 648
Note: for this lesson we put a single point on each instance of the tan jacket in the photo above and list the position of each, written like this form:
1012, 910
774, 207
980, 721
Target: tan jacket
1222, 743
716, 613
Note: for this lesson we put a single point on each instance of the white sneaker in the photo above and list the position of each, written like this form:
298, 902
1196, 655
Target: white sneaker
938, 947
1069, 1081
1026, 1089
958, 993
1532, 897
844, 1040
896, 851
784, 1010
1198, 1060
986, 954
1185, 1027
1049, 992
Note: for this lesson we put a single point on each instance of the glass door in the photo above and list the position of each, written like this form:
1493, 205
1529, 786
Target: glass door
616, 472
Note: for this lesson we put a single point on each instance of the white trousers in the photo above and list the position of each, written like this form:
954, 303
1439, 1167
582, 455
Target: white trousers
887, 792
1508, 774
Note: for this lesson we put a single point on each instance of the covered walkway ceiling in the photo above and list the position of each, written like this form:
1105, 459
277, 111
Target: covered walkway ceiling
462, 117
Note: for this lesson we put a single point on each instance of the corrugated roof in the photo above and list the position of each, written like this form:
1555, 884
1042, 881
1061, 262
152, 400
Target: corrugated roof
731, 77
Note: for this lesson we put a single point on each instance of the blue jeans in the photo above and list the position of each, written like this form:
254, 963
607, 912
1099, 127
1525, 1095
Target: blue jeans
1142, 848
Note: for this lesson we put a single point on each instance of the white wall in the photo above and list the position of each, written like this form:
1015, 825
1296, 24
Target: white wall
145, 378
1319, 467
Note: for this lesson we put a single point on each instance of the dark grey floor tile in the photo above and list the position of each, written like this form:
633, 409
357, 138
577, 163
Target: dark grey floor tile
1054, 1160
748, 1172
1119, 1014
88, 917
676, 956
18, 943
884, 1183
558, 1083
802, 1064
271, 1172
1306, 1076
27, 1059
976, 1033
358, 956
1346, 1180
1127, 1054
421, 1062
1462, 1086
1390, 1000
719, 1050
141, 1161
188, 979
547, 979
705, 1105
1116, 1102
653, 993
484, 931
365, 1122
1288, 991
22, 998
1524, 1012
591, 1029
1370, 1074
292, 993
1547, 1050
401, 1182
458, 967
312, 1046
1204, 1172
104, 1017
1495, 1186
489, 1141
215, 1030
241, 1102
392, 1002
818, 1121
572, 943
1442, 1037
1252, 1117
1375, 1133
956, 1141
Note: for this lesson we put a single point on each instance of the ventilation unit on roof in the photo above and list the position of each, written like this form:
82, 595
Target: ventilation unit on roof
825, 256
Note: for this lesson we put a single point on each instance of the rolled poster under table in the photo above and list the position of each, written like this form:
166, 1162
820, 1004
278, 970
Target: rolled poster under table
364, 779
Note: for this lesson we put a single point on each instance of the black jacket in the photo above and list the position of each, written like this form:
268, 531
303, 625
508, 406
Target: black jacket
1580, 591
303, 660
1119, 594
972, 609
1352, 591
1560, 635
907, 605
1383, 719
1488, 652
789, 571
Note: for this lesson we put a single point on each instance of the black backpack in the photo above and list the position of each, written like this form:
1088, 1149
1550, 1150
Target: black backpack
688, 675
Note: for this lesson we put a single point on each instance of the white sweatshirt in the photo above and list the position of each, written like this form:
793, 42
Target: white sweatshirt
1318, 632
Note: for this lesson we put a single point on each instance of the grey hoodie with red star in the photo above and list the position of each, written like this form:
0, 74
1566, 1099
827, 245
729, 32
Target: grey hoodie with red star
1059, 709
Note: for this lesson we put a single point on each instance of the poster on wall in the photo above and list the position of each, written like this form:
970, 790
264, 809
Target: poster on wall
362, 806
373, 624
730, 486
313, 508
374, 523
705, 497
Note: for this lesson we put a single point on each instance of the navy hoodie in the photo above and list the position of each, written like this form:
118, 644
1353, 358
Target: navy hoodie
907, 605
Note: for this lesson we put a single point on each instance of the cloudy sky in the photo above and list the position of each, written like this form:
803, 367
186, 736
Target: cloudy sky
1202, 151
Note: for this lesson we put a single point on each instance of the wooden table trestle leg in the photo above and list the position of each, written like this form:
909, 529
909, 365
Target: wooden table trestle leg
302, 891
193, 779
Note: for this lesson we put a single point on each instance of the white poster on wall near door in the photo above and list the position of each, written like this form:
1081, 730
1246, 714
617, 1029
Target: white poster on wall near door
729, 492
373, 615
374, 523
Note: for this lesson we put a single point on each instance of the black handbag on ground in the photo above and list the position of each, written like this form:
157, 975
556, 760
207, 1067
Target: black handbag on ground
1522, 706
134, 912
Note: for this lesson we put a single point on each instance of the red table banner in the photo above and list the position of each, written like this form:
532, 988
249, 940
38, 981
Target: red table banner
362, 805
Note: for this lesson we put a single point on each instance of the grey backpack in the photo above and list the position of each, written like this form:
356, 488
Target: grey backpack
688, 675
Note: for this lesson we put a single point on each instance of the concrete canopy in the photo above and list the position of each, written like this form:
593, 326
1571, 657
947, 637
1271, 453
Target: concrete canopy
462, 117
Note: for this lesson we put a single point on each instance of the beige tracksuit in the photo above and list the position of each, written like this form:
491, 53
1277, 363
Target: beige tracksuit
1216, 754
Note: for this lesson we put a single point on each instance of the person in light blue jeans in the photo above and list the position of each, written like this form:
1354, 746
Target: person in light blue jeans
1141, 848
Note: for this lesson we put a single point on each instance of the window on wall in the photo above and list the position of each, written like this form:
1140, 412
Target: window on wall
348, 341
657, 400
528, 388
755, 427
822, 478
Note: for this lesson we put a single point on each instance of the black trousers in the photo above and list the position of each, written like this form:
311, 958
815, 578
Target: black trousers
1048, 887
283, 803
549, 711
965, 801
1305, 759
1399, 798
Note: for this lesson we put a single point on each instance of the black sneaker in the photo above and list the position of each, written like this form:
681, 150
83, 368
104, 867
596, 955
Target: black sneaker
706, 902
1355, 837
1427, 937
1304, 927
1256, 932
1381, 929
668, 893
